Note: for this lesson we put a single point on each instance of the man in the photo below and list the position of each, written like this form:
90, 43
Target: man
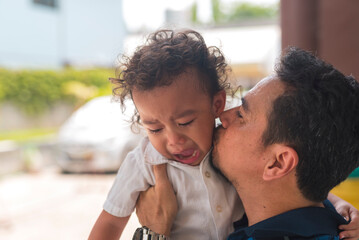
294, 138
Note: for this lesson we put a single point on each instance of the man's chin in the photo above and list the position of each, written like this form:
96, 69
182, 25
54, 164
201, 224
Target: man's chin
213, 160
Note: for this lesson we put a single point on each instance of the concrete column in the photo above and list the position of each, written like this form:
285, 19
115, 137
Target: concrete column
339, 34
329, 28
299, 23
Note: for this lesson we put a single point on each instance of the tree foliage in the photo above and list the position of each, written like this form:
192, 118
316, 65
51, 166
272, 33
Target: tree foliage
236, 11
248, 10
36, 91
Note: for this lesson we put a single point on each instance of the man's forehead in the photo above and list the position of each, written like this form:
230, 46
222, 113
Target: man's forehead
265, 82
263, 93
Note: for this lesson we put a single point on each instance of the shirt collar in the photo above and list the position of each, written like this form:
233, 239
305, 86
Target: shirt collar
303, 222
152, 156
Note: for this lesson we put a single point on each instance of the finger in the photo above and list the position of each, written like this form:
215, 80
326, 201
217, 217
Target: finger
345, 215
346, 227
354, 223
350, 226
160, 172
354, 215
349, 235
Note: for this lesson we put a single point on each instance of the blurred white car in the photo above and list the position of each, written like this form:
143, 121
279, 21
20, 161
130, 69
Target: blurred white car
97, 137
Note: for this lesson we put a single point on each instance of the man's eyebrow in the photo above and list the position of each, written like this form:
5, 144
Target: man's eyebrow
245, 104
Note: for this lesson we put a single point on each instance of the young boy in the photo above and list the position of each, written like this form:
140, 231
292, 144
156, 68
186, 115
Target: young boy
178, 86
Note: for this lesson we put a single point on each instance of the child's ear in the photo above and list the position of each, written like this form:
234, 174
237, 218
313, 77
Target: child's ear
283, 162
219, 102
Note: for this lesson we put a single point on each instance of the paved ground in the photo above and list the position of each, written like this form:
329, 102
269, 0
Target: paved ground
50, 205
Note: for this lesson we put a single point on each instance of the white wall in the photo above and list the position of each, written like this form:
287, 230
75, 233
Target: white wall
79, 32
94, 31
28, 35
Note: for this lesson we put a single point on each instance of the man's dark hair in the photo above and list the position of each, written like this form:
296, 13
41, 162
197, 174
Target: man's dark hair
317, 115
165, 55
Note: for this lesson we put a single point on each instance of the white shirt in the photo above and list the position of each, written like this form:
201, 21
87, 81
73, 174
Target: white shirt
207, 203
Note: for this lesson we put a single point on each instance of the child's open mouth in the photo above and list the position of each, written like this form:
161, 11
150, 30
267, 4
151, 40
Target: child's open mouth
188, 156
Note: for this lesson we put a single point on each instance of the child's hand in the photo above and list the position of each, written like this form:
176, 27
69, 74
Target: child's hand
350, 213
350, 231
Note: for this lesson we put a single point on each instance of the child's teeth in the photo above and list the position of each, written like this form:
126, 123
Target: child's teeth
185, 157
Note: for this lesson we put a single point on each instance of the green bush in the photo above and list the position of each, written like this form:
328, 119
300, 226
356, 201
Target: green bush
35, 91
249, 10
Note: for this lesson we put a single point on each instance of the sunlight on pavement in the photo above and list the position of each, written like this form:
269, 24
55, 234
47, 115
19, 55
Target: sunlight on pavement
49, 205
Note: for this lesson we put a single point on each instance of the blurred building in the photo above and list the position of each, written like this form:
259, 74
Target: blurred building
250, 50
328, 28
57, 33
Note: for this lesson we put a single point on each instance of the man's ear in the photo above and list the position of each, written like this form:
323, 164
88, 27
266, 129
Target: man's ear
284, 162
219, 102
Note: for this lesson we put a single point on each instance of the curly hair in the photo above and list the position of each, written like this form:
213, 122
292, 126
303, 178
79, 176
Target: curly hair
318, 116
165, 55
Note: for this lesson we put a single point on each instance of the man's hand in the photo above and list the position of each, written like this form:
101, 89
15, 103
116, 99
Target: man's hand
157, 207
350, 213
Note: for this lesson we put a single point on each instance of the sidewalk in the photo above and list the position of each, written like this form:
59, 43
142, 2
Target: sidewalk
49, 205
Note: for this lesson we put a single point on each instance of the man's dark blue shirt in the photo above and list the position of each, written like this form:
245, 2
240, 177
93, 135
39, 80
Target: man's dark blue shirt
302, 223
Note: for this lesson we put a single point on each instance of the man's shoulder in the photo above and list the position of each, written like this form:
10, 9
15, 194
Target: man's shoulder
303, 223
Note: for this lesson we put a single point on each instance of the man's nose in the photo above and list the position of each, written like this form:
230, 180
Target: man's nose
174, 138
227, 117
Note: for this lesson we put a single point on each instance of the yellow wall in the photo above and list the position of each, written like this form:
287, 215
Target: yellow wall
349, 191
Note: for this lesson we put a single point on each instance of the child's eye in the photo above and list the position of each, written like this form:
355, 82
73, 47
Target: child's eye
186, 123
154, 131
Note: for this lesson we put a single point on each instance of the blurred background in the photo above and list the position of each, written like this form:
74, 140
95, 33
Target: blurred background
62, 138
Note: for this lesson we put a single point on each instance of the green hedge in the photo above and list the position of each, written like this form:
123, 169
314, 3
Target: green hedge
36, 91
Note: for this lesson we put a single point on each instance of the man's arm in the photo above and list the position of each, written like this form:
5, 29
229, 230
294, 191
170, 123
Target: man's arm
157, 207
349, 212
108, 227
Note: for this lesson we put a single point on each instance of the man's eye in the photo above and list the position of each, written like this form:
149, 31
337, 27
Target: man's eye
186, 123
155, 130
239, 114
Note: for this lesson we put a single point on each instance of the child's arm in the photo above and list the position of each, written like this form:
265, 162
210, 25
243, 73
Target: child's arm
108, 227
350, 231
122, 197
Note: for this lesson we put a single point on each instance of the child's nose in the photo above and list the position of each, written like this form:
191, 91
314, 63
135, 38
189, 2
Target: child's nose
227, 117
174, 138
